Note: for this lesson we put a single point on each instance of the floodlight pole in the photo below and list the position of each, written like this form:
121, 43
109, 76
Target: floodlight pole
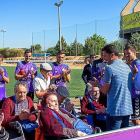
3, 36
58, 5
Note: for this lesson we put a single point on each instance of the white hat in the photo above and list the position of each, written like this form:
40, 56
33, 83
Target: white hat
89, 87
46, 66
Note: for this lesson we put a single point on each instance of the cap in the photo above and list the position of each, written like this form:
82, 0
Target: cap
89, 87
62, 91
46, 66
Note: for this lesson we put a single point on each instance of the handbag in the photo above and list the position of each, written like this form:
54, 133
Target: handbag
80, 125
98, 116
28, 125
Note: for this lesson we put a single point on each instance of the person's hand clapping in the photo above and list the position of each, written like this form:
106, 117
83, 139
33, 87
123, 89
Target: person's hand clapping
24, 114
1, 71
69, 106
52, 87
94, 83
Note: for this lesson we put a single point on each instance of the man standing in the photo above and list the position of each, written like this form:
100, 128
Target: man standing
60, 71
26, 71
87, 74
42, 81
130, 55
3, 78
98, 66
117, 86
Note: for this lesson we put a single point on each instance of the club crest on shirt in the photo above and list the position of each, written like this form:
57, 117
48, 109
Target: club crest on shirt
55, 71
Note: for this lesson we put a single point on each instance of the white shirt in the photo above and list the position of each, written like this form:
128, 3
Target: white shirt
40, 83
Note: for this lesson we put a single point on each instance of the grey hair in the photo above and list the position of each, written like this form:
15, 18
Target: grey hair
20, 83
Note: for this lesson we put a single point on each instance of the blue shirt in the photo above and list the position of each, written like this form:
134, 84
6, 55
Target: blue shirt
119, 76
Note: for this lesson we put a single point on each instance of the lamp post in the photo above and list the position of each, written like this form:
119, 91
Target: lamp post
58, 5
3, 36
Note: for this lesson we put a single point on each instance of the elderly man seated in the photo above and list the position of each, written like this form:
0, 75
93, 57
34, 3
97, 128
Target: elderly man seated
18, 108
63, 100
57, 121
91, 105
43, 82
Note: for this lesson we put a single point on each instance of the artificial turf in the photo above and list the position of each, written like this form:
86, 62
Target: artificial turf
76, 87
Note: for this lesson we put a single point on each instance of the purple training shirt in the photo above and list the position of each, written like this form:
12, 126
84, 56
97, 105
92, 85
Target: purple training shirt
135, 93
2, 84
26, 67
56, 70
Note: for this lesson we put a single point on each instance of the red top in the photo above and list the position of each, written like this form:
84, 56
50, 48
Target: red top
86, 106
50, 124
8, 108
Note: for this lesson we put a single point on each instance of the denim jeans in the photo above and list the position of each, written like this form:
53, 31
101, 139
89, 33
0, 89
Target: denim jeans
116, 122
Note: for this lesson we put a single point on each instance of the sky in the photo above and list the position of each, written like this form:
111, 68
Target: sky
30, 22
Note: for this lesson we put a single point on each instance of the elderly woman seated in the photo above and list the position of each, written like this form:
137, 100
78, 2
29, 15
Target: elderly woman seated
91, 105
57, 121
19, 108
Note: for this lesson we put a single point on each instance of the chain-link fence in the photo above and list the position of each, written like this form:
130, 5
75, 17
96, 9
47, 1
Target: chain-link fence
108, 29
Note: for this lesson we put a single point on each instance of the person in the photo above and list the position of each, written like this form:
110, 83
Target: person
87, 60
117, 86
86, 106
62, 95
55, 120
87, 74
43, 81
4, 78
98, 68
26, 71
60, 71
19, 107
3, 134
130, 55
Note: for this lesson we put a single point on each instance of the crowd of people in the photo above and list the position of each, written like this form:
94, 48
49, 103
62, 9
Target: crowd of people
110, 98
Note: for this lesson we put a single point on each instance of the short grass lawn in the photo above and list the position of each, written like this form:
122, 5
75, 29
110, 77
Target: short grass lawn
75, 87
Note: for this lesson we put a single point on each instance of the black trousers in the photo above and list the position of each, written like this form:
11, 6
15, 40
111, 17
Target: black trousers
31, 95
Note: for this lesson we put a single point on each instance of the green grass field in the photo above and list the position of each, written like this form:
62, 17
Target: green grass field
75, 87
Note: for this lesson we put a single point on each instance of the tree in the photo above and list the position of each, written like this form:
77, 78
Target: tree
118, 44
36, 48
94, 44
53, 50
135, 39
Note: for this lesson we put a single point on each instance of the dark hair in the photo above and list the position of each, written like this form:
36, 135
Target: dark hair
92, 55
131, 47
43, 102
110, 48
61, 52
27, 51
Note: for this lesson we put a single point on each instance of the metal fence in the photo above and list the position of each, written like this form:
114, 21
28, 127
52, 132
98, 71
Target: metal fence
108, 29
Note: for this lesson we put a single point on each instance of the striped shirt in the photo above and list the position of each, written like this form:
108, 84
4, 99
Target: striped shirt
119, 76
